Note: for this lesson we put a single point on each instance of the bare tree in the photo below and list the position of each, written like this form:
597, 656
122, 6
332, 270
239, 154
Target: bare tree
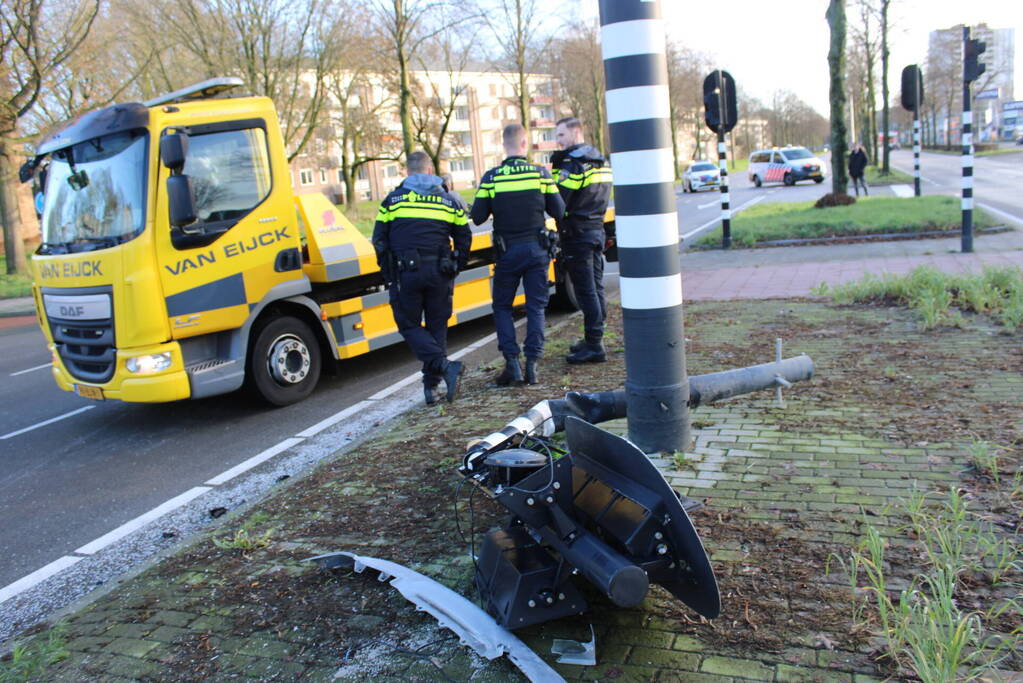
836, 66
283, 50
36, 38
579, 66
686, 71
440, 91
517, 27
886, 151
862, 65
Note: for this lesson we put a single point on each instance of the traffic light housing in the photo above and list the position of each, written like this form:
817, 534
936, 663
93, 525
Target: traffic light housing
972, 66
720, 108
912, 88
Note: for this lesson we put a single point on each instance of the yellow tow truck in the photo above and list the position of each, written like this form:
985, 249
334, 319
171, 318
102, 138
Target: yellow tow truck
177, 263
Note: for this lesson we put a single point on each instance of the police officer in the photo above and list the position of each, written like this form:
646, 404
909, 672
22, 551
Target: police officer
518, 194
584, 180
414, 230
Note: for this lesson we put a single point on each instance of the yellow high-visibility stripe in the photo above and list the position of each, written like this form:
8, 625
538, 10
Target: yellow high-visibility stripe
424, 205
421, 211
517, 185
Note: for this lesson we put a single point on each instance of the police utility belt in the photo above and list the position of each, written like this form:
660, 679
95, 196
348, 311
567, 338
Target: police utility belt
408, 260
547, 239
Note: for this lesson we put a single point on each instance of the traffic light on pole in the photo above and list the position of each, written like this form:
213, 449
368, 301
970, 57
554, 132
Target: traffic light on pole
973, 68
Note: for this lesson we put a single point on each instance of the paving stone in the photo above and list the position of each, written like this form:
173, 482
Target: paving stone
130, 647
738, 668
798, 674
664, 659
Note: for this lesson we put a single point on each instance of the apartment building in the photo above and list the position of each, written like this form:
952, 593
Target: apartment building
480, 104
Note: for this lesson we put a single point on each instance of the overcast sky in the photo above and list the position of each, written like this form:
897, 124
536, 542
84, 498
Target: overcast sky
769, 45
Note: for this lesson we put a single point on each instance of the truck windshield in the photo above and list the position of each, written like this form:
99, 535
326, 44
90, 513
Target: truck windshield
95, 194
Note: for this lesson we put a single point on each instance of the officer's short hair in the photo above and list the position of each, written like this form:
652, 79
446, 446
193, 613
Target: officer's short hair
513, 134
571, 122
419, 162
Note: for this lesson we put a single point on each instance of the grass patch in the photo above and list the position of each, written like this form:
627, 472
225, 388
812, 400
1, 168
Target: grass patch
27, 662
924, 629
1002, 150
11, 286
363, 214
895, 177
868, 216
996, 292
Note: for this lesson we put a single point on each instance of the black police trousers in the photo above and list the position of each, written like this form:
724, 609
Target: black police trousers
418, 295
583, 257
527, 263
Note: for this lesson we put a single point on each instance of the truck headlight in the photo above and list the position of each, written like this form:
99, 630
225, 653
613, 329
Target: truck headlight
147, 365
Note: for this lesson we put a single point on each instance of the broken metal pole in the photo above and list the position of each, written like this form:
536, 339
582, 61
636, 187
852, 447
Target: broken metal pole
638, 115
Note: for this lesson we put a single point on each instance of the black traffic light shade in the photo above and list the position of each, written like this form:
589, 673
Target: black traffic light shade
972, 66
912, 88
603, 511
720, 108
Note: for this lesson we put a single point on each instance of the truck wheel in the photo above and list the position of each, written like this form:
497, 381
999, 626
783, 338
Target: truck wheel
757, 181
818, 180
284, 364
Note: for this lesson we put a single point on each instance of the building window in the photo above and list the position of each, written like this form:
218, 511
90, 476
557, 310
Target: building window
340, 176
305, 177
362, 173
461, 164
391, 171
323, 176
462, 113
493, 90
495, 113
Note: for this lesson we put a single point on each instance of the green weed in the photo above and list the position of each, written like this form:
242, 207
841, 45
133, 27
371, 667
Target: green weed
986, 459
28, 661
242, 540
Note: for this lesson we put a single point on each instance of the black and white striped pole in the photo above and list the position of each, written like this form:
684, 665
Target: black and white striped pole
636, 79
721, 116
972, 70
912, 99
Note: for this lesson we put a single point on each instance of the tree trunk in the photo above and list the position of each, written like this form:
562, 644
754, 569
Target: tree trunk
674, 142
885, 169
524, 109
836, 65
10, 215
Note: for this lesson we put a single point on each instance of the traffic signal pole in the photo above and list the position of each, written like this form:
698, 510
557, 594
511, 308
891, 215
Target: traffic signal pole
916, 141
912, 98
967, 200
726, 211
636, 92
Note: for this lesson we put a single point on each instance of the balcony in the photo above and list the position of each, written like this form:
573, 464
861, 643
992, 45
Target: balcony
541, 99
541, 123
545, 144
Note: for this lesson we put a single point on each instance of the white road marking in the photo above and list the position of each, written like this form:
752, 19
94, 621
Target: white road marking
37, 577
704, 206
38, 367
1003, 214
270, 452
902, 190
160, 510
709, 224
46, 422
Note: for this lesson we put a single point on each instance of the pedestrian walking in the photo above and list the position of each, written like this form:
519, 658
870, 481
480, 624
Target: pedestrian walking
518, 194
857, 167
584, 181
413, 235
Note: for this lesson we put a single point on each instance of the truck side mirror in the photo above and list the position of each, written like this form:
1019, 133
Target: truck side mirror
180, 200
173, 151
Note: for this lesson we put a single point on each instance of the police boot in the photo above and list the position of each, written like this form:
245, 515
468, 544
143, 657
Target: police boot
430, 385
512, 373
578, 346
452, 378
590, 353
531, 370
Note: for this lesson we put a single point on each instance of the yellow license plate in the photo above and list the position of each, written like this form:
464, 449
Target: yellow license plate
85, 391
814, 173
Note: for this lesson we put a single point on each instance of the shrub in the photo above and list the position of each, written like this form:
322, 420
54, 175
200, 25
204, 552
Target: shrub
834, 199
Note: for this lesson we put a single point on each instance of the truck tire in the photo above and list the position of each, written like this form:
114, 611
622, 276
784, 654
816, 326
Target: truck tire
284, 362
564, 295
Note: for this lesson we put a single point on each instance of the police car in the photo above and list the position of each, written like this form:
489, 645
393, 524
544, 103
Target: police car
701, 175
787, 165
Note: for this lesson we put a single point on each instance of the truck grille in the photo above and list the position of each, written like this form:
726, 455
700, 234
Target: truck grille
85, 346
